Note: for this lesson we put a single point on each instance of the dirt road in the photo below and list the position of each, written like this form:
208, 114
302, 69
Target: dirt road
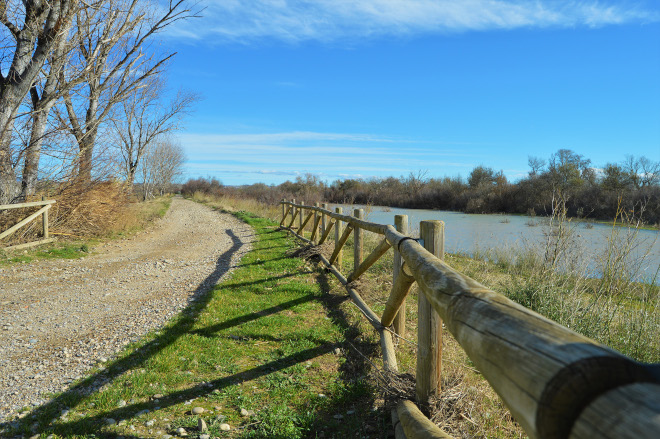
58, 318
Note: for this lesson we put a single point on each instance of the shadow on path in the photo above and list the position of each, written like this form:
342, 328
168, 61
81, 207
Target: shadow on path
197, 303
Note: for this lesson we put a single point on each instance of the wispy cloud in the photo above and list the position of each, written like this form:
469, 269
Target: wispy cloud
336, 20
285, 137
275, 157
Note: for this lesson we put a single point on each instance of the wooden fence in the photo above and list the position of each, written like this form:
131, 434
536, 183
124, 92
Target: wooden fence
556, 383
46, 205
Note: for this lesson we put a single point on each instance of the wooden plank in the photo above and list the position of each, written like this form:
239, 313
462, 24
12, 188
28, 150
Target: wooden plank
386, 345
415, 424
285, 214
29, 244
285, 210
337, 254
627, 412
339, 232
301, 230
368, 226
373, 257
544, 372
44, 222
23, 205
358, 240
20, 224
315, 228
293, 218
400, 290
323, 218
326, 233
399, 323
300, 222
429, 325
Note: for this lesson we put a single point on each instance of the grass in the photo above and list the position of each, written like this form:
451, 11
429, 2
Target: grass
266, 341
273, 339
69, 250
138, 217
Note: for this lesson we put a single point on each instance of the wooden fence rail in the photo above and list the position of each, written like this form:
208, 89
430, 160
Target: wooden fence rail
43, 212
556, 383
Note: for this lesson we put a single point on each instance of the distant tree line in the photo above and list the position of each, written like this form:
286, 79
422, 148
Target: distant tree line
632, 185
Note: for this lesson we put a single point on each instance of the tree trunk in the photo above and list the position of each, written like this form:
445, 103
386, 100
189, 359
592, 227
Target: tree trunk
8, 109
86, 154
85, 162
33, 153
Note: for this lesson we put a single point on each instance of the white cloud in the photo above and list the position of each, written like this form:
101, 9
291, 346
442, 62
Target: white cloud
275, 157
277, 138
336, 20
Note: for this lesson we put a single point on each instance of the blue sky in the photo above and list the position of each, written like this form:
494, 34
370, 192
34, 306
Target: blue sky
376, 88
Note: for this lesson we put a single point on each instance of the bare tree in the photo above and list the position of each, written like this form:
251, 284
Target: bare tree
162, 164
30, 30
113, 41
650, 171
642, 170
536, 165
143, 118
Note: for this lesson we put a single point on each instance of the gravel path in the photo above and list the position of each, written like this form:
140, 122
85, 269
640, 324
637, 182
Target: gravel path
58, 318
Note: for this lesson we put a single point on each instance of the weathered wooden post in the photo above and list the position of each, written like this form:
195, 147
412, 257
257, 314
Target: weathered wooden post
358, 239
323, 219
315, 225
45, 220
399, 325
339, 231
294, 211
283, 210
301, 219
429, 324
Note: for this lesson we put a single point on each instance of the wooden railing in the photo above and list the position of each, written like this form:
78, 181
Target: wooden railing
555, 382
43, 212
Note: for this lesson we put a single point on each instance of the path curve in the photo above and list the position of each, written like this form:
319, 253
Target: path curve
58, 318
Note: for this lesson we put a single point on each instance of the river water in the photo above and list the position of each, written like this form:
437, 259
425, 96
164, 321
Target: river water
496, 235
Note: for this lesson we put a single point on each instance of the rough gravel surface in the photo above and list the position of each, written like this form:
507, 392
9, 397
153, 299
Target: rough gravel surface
58, 318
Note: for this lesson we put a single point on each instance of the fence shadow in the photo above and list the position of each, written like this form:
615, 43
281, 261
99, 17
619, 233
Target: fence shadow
169, 335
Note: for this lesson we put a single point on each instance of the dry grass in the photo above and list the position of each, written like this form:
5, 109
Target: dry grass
81, 210
90, 210
84, 212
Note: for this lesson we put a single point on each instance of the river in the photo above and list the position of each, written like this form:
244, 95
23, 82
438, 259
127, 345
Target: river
495, 235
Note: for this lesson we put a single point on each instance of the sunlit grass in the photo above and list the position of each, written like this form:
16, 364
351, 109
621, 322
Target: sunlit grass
267, 340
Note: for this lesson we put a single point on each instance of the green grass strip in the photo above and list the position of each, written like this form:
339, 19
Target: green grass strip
268, 341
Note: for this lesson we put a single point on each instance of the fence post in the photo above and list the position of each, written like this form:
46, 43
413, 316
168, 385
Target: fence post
339, 230
283, 209
399, 324
45, 220
429, 329
323, 224
301, 219
315, 224
358, 239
